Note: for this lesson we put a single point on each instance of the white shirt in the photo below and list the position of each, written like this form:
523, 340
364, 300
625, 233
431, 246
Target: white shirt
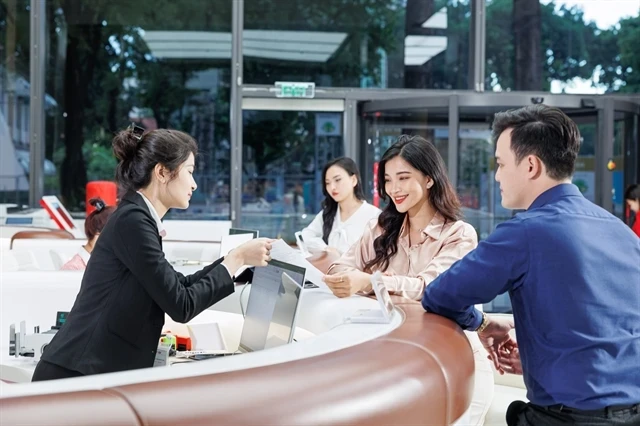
154, 215
161, 231
84, 255
343, 234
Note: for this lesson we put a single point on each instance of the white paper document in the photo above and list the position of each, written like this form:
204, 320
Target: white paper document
229, 242
207, 336
285, 253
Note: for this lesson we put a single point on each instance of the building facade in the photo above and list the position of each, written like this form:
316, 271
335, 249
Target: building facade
74, 73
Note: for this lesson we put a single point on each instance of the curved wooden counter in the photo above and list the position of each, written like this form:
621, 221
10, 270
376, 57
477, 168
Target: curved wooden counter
421, 373
56, 234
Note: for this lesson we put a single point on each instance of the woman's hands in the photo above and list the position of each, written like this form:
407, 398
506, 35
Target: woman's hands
347, 283
256, 252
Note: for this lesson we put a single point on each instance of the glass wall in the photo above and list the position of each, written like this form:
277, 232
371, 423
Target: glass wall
14, 101
341, 43
478, 191
562, 46
113, 63
284, 153
624, 165
382, 130
585, 175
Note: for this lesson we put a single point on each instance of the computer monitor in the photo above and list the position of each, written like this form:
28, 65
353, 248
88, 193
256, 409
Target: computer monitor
229, 242
58, 213
235, 231
272, 308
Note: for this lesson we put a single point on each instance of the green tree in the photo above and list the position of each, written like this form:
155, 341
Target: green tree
527, 31
618, 52
108, 69
371, 28
100, 66
568, 46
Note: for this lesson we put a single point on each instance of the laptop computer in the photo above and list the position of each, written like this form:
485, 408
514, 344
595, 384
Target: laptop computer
236, 231
272, 308
229, 242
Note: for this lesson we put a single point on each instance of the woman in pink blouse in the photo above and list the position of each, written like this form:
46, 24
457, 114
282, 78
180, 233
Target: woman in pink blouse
416, 237
92, 227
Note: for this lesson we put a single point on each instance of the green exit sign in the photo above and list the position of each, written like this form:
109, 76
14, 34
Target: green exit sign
287, 89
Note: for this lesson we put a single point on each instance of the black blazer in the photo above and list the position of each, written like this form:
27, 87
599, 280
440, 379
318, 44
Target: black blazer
118, 315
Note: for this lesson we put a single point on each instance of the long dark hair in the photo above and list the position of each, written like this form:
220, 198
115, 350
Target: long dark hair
329, 205
423, 156
633, 193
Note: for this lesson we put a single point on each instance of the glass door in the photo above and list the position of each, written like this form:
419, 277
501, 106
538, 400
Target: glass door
479, 192
385, 120
286, 143
626, 157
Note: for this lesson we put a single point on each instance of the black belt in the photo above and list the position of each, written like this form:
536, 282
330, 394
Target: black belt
602, 412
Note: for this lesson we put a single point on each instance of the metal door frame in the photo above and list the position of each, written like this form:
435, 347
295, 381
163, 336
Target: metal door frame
357, 101
448, 102
272, 103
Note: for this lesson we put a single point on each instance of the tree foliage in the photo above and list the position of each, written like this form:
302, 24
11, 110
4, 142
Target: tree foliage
100, 66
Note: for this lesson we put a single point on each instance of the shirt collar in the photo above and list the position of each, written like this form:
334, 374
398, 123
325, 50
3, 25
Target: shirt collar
361, 208
433, 229
154, 214
84, 255
552, 194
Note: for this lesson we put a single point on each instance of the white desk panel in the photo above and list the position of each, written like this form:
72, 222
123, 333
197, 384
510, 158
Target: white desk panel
321, 327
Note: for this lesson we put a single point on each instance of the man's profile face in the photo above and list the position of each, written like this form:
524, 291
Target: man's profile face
512, 177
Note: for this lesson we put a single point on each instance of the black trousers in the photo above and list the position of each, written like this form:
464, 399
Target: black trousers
526, 414
48, 371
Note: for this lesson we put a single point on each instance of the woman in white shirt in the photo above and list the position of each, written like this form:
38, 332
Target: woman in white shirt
344, 214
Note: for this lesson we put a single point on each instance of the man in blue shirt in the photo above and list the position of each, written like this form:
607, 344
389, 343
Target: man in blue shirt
572, 271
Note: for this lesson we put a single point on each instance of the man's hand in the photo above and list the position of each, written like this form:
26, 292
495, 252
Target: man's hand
509, 359
347, 283
495, 338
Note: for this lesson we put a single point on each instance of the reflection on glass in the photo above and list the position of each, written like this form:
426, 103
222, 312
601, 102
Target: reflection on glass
342, 43
584, 176
283, 156
113, 63
626, 130
15, 102
478, 191
383, 129
560, 46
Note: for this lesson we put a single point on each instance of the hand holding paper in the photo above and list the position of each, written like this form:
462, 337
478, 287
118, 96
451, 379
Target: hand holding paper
283, 252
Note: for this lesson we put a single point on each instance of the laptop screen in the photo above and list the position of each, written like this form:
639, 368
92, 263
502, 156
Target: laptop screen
272, 306
236, 231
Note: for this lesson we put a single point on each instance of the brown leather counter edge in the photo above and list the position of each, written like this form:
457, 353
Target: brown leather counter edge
91, 407
421, 373
55, 234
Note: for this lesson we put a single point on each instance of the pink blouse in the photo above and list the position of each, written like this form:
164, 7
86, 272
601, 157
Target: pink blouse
77, 262
413, 268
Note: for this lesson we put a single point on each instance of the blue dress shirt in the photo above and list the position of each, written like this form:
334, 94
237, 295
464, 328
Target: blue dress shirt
572, 271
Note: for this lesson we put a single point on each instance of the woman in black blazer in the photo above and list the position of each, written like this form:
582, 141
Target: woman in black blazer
128, 286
